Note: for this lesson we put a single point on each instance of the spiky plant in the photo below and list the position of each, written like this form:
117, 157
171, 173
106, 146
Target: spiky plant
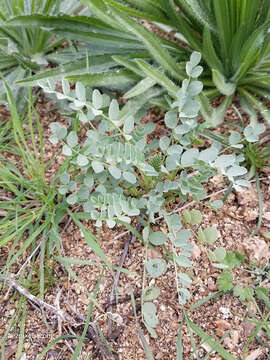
231, 35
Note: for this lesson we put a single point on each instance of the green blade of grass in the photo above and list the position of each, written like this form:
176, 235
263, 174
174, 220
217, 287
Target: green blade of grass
219, 349
22, 330
87, 321
179, 352
91, 240
13, 321
146, 347
52, 343
29, 241
76, 261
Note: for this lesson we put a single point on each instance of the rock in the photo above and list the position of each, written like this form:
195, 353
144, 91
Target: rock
256, 250
248, 196
226, 312
255, 354
212, 284
248, 328
196, 251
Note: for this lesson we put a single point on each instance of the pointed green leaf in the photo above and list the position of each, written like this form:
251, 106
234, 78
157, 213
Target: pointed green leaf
226, 88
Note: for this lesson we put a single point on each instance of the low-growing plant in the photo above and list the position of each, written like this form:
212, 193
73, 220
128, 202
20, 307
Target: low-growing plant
30, 214
114, 173
245, 141
27, 200
249, 294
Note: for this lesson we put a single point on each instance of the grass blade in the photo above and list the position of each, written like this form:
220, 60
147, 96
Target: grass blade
52, 343
91, 240
179, 353
219, 349
87, 321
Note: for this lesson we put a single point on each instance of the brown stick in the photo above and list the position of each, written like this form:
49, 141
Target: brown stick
130, 239
120, 300
92, 331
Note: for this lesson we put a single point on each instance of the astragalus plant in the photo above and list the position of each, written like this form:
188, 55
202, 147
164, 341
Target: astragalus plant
115, 174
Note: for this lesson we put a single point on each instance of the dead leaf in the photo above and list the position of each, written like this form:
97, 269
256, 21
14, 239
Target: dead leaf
221, 327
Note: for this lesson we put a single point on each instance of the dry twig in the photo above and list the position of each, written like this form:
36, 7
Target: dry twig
129, 240
63, 315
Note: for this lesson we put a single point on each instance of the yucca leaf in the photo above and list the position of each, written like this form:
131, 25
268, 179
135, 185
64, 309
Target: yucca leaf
212, 115
100, 10
226, 88
248, 108
254, 79
140, 88
136, 13
209, 51
60, 22
91, 36
223, 20
206, 108
220, 111
249, 11
112, 79
149, 6
183, 26
131, 65
149, 39
158, 76
258, 104
238, 40
98, 63
76, 27
198, 14
263, 93
249, 53
137, 103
